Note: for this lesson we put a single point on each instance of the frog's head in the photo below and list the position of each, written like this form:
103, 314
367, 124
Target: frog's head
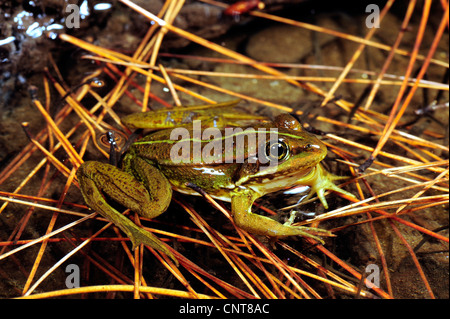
292, 155
297, 149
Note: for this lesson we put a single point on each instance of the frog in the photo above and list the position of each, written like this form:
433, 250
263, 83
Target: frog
148, 173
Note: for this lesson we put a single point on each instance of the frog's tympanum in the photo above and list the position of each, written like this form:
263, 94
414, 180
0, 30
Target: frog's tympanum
282, 155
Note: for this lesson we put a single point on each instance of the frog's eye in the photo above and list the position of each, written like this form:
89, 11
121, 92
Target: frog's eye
277, 151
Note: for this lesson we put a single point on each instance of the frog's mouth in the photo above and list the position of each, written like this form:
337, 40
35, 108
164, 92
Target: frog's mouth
270, 183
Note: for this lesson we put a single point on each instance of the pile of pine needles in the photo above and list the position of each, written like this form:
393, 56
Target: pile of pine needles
254, 269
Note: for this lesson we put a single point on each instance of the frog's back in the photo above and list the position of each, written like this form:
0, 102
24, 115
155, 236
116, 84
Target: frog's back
181, 146
163, 152
155, 147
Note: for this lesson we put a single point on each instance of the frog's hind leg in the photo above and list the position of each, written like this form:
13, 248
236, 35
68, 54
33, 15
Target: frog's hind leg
158, 191
96, 178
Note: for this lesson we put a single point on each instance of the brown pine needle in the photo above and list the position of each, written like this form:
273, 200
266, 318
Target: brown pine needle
395, 116
107, 288
170, 85
355, 57
411, 81
415, 163
389, 58
75, 157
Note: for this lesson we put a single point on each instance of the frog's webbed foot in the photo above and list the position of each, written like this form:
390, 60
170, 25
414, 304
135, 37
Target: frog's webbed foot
322, 180
311, 232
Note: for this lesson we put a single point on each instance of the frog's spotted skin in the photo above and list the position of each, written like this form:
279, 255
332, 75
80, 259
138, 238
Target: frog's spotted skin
145, 181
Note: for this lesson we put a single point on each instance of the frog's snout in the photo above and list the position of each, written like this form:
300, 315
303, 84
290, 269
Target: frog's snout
317, 150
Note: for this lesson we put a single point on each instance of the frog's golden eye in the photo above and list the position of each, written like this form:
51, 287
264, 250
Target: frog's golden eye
277, 151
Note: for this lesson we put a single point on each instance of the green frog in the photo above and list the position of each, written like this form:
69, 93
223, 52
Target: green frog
283, 155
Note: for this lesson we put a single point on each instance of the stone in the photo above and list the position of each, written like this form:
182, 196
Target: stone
283, 43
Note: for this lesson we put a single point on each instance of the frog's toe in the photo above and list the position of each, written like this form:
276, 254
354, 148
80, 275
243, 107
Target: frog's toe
340, 190
321, 194
139, 236
312, 232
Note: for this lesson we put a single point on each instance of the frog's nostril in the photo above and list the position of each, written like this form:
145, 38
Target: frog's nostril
311, 146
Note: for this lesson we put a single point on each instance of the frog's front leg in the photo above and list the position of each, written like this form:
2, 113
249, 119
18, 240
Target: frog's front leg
124, 188
320, 180
241, 204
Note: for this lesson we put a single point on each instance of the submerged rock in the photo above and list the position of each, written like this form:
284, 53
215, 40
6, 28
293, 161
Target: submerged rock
286, 43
